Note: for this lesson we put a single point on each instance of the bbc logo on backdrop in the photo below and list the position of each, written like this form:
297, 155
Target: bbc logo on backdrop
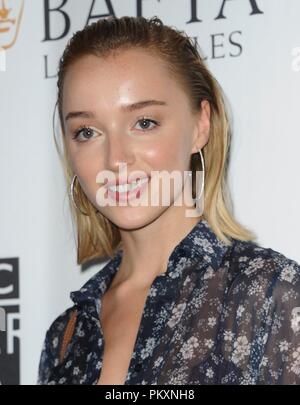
9, 322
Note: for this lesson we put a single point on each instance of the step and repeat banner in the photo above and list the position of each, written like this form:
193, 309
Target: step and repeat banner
253, 49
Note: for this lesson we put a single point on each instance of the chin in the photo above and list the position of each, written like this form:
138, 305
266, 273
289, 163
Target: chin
131, 218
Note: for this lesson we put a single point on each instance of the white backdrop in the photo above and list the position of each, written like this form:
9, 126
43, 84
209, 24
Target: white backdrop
254, 52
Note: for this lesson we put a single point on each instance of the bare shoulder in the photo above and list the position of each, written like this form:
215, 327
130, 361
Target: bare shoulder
49, 357
55, 333
59, 323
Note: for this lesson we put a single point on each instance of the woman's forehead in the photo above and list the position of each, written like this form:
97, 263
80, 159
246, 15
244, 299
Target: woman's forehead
116, 84
134, 66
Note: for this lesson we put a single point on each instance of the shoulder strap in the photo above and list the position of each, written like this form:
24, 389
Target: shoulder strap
68, 334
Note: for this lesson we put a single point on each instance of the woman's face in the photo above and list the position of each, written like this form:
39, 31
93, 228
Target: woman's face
158, 137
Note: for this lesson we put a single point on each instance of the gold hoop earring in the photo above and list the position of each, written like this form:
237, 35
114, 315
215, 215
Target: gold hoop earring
203, 169
71, 193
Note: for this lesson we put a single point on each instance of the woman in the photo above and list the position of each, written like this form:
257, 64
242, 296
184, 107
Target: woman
186, 298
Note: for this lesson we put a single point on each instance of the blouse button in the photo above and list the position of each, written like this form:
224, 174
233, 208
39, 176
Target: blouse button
138, 367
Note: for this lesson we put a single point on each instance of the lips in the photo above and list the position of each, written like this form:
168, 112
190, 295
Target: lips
130, 194
123, 180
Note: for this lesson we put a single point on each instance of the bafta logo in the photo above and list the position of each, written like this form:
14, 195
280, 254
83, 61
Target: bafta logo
10, 18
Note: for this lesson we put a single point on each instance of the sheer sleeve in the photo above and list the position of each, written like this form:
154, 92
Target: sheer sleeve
49, 357
281, 360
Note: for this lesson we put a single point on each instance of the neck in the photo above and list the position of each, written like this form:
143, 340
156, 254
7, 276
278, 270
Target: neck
146, 250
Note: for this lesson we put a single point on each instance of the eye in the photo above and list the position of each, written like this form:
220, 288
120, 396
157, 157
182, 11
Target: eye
86, 132
146, 121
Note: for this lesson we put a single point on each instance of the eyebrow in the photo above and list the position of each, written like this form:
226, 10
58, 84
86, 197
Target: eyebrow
125, 108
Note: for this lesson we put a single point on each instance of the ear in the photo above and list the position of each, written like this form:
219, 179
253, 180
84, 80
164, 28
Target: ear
201, 133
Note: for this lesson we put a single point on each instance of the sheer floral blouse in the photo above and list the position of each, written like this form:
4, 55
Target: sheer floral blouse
219, 315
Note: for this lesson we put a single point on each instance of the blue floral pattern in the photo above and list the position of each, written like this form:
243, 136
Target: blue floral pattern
219, 315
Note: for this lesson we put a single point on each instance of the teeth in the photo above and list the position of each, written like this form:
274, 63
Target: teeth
128, 187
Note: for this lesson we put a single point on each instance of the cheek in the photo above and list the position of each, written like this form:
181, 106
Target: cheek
86, 168
170, 155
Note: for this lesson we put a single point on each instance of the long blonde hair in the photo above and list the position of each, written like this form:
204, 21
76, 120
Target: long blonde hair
97, 236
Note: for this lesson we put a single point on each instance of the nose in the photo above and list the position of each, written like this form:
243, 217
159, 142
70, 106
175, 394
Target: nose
119, 153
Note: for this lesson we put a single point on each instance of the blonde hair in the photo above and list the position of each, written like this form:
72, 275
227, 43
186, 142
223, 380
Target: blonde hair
97, 236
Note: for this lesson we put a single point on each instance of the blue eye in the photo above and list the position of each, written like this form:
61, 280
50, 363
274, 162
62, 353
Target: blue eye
86, 131
147, 120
